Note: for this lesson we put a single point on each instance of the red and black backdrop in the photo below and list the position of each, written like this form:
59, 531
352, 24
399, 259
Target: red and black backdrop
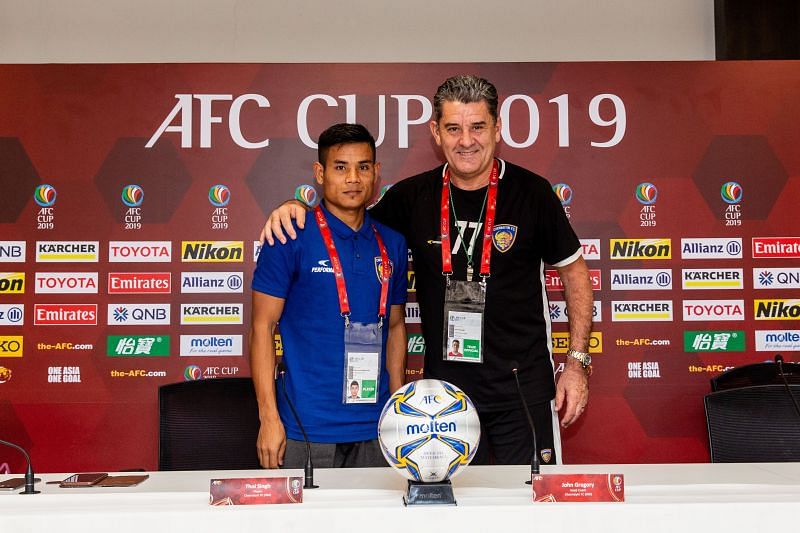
132, 196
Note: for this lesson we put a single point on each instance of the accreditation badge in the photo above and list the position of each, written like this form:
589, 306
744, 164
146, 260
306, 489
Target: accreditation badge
363, 344
464, 306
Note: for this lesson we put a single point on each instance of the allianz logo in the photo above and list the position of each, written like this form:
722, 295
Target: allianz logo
323, 267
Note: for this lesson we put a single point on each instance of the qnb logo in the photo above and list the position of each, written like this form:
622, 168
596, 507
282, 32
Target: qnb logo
120, 314
184, 111
563, 192
434, 426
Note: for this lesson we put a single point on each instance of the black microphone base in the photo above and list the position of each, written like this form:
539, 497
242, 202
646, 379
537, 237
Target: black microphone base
30, 492
420, 493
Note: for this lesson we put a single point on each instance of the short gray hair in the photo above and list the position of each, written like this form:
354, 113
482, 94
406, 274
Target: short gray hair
467, 90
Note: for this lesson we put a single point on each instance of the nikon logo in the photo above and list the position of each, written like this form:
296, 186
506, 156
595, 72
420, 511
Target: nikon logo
212, 251
641, 249
777, 309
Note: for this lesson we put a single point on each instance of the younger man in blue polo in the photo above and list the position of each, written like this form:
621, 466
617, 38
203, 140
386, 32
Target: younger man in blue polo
339, 292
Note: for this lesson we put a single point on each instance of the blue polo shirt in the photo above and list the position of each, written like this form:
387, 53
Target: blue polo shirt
312, 329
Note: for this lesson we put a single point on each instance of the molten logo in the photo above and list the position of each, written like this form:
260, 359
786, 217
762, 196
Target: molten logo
132, 195
45, 195
731, 192
219, 195
563, 192
308, 195
646, 193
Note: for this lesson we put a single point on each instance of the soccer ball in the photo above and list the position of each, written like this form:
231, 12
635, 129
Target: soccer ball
428, 430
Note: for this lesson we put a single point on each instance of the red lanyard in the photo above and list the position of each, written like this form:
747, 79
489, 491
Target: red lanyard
488, 224
336, 264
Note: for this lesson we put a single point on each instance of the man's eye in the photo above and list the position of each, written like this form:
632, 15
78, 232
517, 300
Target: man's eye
338, 167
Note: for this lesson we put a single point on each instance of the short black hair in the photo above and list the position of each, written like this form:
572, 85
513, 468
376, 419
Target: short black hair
343, 134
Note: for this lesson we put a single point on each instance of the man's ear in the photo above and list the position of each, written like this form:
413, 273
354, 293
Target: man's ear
319, 172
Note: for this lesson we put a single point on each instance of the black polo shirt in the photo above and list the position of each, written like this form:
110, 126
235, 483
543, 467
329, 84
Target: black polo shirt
532, 230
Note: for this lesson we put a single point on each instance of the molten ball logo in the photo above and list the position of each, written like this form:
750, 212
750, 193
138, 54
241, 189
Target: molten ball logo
731, 192
219, 195
564, 193
306, 194
45, 195
132, 195
646, 193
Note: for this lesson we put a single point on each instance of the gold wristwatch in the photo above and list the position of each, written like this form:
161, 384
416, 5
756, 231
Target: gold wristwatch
583, 358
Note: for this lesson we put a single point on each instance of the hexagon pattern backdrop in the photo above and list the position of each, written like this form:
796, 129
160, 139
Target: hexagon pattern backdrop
132, 198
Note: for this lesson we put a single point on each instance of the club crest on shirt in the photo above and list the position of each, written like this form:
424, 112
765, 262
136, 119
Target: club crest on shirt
546, 454
503, 236
378, 267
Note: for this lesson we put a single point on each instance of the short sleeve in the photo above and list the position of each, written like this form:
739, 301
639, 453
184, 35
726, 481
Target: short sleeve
275, 268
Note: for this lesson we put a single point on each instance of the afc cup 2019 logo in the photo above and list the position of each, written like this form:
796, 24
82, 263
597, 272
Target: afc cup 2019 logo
192, 373
132, 195
563, 192
45, 195
646, 193
306, 194
731, 192
219, 195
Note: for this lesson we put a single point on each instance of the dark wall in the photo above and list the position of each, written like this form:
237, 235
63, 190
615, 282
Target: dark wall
764, 29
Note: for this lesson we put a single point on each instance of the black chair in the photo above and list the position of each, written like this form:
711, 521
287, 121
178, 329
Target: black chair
209, 424
753, 425
755, 374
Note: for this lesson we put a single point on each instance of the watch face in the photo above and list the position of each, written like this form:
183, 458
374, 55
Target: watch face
587, 360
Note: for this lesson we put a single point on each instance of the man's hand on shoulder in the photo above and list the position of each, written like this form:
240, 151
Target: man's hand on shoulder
279, 222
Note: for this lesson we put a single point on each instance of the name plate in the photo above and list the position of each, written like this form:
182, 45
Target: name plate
256, 490
578, 487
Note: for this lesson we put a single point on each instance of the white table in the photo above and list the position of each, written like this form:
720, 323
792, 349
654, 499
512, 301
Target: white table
755, 498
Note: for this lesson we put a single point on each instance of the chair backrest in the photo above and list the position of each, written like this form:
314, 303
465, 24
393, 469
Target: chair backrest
209, 424
755, 374
753, 425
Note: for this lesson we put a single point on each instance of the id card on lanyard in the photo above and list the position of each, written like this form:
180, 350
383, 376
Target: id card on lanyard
465, 301
363, 343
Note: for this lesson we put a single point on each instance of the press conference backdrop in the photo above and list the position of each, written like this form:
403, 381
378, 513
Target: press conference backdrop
133, 195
